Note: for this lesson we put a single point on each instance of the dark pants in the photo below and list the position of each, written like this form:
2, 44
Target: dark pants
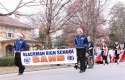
81, 57
105, 59
18, 62
117, 56
110, 57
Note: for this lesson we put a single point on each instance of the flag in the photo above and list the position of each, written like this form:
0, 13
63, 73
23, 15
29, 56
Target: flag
122, 56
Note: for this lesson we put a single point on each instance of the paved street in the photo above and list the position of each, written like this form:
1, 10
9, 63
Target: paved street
99, 72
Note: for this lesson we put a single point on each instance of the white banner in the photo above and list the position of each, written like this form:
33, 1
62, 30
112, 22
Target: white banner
45, 57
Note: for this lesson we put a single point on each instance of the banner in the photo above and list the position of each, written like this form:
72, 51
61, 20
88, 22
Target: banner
45, 57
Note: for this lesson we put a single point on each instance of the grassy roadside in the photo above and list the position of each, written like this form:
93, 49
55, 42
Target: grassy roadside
14, 69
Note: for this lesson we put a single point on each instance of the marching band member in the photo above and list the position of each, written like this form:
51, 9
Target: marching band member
117, 49
81, 43
19, 45
104, 53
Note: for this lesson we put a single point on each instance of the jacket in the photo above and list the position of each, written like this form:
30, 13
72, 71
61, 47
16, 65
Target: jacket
20, 45
81, 41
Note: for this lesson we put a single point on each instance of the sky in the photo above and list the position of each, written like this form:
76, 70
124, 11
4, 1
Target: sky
11, 4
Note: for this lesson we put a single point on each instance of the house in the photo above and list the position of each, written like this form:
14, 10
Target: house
9, 27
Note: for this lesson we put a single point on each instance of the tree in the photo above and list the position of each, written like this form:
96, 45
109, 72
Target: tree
60, 42
69, 33
20, 4
117, 23
89, 17
52, 17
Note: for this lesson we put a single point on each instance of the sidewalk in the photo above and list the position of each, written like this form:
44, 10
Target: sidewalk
14, 69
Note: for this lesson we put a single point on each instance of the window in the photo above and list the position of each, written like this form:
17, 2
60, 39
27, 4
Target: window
9, 33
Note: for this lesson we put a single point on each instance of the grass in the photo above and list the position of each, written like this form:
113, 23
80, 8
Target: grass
14, 69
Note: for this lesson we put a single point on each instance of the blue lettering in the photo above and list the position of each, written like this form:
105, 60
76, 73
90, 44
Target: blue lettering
34, 54
71, 51
24, 54
42, 53
61, 52
64, 52
54, 52
67, 51
47, 53
57, 52
37, 53
50, 52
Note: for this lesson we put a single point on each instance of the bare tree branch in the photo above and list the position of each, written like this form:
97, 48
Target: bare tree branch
20, 5
4, 7
10, 13
60, 8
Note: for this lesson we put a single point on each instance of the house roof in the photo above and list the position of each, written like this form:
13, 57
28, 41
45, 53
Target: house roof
6, 20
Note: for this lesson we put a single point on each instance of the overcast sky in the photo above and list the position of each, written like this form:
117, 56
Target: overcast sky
11, 4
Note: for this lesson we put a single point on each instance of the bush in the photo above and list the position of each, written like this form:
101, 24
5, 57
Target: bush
7, 61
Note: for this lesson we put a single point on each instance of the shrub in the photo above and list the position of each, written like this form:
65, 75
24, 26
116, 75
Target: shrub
7, 61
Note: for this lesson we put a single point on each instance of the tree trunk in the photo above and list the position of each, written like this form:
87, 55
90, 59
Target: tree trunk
94, 26
49, 16
48, 42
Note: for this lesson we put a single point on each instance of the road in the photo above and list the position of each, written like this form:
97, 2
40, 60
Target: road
99, 72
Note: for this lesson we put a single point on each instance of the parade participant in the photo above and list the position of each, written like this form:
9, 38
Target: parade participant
124, 48
19, 45
90, 48
110, 54
117, 49
81, 43
104, 53
124, 51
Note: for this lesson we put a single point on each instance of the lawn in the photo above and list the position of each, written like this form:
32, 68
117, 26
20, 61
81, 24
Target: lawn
14, 69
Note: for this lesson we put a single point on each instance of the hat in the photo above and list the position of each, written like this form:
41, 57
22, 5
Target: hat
79, 29
21, 35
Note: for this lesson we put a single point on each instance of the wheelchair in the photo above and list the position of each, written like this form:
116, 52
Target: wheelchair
89, 61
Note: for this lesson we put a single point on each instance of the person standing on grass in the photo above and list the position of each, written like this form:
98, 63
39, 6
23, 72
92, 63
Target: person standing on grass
19, 45
81, 43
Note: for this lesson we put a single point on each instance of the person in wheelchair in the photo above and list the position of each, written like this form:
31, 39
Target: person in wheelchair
89, 53
90, 47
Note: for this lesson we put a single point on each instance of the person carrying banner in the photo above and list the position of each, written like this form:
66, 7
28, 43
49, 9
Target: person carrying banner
19, 45
81, 43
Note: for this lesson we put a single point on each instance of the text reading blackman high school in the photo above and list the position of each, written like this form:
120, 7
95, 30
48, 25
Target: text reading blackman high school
40, 53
